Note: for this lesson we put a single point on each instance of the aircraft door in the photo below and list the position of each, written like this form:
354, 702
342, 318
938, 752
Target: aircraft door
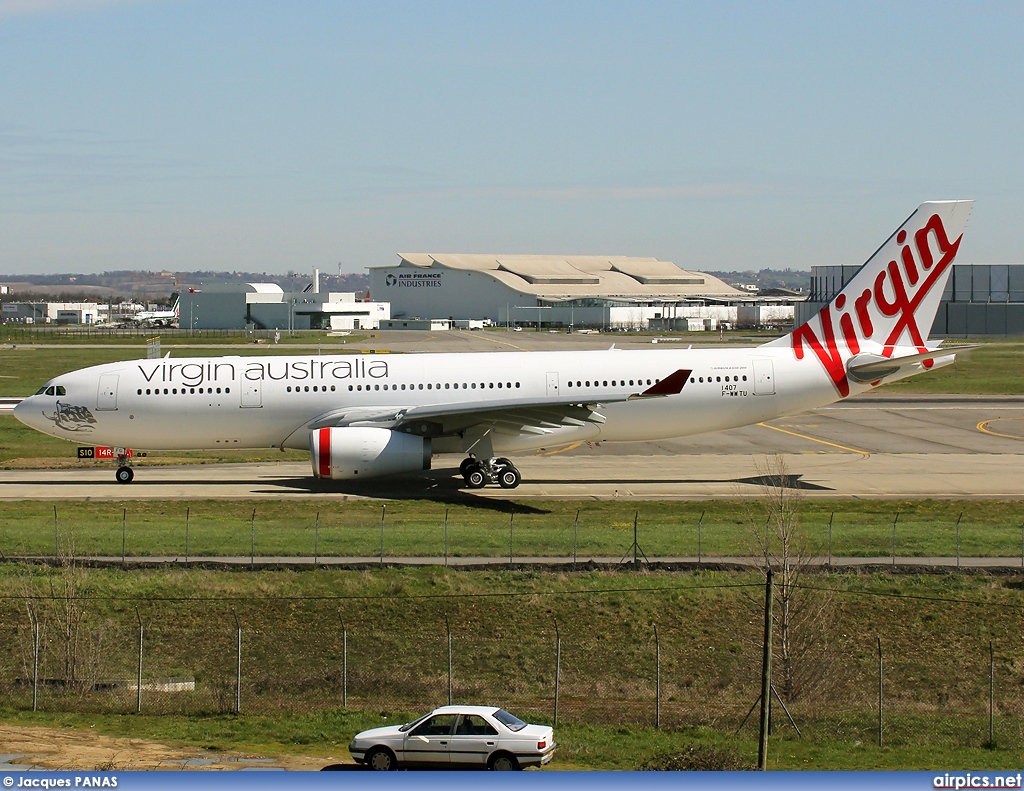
252, 395
764, 377
106, 395
552, 383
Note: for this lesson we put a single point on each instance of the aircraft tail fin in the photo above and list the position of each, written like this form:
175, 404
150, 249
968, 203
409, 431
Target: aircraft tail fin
891, 302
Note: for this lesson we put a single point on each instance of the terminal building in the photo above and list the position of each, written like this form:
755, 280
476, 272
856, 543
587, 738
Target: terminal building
979, 299
606, 292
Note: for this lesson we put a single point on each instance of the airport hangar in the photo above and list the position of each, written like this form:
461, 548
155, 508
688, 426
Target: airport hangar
979, 299
604, 292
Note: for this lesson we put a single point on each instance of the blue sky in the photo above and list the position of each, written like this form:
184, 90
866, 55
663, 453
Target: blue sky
275, 136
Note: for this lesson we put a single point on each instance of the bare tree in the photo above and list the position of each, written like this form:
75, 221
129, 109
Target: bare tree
804, 619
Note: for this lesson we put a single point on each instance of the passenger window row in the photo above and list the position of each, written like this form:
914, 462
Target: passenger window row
182, 391
439, 386
696, 379
614, 383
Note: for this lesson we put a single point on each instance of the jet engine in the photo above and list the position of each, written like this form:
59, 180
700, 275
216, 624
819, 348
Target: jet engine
351, 453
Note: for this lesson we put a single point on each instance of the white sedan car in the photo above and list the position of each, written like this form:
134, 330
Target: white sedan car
456, 737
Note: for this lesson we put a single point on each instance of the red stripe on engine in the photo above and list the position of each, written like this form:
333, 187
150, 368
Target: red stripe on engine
324, 455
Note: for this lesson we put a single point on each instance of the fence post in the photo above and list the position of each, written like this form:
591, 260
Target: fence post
657, 679
880, 676
958, 539
894, 521
448, 629
575, 538
316, 540
991, 696
446, 538
383, 512
56, 540
344, 667
766, 675
35, 656
188, 511
831, 516
700, 538
511, 518
124, 532
238, 675
636, 543
558, 667
138, 696
252, 539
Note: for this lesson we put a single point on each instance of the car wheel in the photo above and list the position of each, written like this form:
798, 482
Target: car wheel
504, 762
380, 759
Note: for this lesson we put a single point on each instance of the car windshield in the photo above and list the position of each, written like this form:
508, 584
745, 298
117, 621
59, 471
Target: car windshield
414, 723
510, 721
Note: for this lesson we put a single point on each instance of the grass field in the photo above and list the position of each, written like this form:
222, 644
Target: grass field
546, 528
935, 630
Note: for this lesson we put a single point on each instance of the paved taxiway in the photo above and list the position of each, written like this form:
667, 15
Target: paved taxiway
868, 447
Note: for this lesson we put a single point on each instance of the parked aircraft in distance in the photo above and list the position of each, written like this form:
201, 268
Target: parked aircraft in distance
362, 416
159, 318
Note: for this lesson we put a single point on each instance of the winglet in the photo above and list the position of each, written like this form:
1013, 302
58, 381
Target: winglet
670, 385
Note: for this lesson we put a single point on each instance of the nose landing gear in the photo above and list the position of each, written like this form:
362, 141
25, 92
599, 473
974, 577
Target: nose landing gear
124, 474
479, 472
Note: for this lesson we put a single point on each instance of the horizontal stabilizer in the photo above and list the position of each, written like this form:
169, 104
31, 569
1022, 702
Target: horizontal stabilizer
871, 367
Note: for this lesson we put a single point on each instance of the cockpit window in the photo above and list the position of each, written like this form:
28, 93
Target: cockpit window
51, 390
61, 391
41, 390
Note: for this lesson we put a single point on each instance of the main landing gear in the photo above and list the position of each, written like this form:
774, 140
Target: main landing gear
478, 473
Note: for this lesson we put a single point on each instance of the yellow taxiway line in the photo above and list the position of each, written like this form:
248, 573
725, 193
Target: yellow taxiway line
863, 453
983, 427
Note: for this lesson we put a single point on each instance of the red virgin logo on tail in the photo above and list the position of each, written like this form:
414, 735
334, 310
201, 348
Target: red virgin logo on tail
896, 293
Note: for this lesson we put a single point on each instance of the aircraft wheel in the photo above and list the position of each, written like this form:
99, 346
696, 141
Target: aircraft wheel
124, 474
465, 466
476, 479
509, 478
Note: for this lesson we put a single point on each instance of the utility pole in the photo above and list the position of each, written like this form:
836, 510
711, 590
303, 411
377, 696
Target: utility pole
766, 675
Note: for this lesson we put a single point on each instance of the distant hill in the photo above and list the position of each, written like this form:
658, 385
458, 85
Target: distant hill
768, 278
158, 286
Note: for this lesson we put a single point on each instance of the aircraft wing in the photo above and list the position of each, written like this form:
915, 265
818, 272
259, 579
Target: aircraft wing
506, 416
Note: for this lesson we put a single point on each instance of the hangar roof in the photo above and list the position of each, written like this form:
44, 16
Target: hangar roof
576, 276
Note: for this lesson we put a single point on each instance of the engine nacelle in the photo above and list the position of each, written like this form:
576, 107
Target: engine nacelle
345, 453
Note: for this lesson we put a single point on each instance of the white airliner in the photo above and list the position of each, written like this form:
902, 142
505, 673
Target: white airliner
159, 318
367, 415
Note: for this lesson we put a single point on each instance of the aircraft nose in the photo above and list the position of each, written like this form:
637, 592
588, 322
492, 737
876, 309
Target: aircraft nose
24, 410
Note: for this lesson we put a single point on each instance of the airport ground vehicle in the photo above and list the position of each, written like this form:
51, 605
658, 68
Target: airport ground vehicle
456, 737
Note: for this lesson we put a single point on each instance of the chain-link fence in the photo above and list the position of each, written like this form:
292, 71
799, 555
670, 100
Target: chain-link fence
331, 532
923, 685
